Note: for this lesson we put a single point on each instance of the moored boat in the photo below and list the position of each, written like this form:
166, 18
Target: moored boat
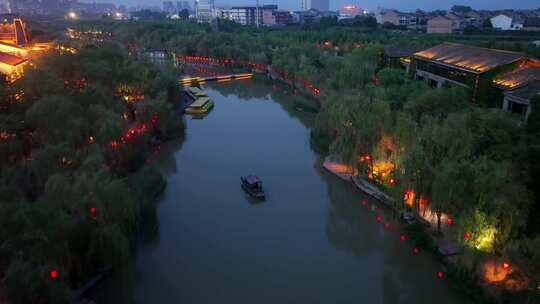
200, 106
253, 186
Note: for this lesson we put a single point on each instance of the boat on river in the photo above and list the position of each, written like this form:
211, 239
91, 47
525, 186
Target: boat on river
200, 106
195, 93
253, 186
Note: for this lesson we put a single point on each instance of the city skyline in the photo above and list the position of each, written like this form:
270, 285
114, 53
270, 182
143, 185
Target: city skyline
367, 4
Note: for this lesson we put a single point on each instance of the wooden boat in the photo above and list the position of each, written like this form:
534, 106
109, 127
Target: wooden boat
253, 186
200, 106
195, 92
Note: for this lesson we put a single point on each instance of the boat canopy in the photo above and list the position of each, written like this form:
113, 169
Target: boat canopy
196, 91
200, 102
252, 179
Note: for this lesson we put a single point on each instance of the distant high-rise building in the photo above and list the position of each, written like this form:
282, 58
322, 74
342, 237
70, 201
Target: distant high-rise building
205, 10
303, 5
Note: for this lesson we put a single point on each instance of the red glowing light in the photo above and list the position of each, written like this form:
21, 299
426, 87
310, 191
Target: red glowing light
466, 236
392, 181
376, 81
449, 221
53, 274
402, 237
505, 265
93, 209
440, 274
386, 225
378, 218
416, 250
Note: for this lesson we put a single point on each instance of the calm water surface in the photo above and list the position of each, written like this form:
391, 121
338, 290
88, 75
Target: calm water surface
310, 242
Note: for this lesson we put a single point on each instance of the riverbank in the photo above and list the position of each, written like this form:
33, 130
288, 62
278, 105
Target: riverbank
463, 278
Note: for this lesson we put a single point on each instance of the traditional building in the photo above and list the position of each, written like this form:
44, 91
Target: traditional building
520, 85
467, 66
399, 56
518, 101
12, 66
13, 30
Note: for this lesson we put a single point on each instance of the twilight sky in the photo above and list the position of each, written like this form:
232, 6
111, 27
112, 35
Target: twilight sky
369, 4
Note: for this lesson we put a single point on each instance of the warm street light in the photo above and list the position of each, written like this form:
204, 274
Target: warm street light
72, 15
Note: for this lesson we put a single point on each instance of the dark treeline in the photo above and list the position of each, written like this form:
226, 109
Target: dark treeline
76, 132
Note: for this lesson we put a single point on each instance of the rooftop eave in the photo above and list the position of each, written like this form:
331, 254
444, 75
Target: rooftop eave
449, 65
477, 72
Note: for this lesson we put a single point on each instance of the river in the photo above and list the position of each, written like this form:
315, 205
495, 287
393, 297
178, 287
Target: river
311, 241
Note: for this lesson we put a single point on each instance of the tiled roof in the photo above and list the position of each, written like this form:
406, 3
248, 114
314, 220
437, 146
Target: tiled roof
527, 92
527, 72
402, 50
10, 59
471, 58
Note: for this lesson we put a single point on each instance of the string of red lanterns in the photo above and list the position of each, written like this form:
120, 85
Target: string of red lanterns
253, 65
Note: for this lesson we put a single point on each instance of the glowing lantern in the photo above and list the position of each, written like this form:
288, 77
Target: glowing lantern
92, 209
402, 237
466, 236
53, 274
392, 181
378, 218
449, 221
440, 274
505, 265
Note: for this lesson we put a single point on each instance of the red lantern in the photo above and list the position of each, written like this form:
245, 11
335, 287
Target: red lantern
466, 236
402, 237
440, 274
449, 221
505, 265
53, 274
378, 218
93, 209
